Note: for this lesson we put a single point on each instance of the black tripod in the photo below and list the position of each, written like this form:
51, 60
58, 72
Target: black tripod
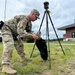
47, 14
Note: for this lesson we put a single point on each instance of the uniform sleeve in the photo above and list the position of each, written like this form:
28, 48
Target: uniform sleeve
21, 28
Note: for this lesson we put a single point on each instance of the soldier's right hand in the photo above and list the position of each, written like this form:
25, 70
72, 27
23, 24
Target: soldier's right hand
34, 36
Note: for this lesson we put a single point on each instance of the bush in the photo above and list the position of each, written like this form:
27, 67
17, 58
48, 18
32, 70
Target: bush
29, 40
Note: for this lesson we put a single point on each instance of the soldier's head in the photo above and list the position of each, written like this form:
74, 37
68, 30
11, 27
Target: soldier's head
34, 15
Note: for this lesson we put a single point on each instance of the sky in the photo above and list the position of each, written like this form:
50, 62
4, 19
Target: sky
62, 13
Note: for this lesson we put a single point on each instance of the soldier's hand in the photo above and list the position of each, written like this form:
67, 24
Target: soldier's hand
34, 36
38, 34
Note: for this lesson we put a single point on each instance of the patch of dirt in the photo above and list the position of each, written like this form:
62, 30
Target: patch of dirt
47, 72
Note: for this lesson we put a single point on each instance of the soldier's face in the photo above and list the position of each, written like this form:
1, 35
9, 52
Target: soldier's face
34, 17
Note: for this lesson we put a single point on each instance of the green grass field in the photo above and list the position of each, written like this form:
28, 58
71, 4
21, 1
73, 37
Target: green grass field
60, 64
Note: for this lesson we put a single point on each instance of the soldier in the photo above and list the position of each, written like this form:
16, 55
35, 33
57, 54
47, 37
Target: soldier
11, 32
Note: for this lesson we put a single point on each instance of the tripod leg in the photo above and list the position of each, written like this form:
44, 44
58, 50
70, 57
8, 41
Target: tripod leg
32, 51
56, 34
48, 46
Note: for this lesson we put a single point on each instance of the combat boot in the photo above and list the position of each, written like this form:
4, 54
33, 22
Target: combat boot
23, 59
7, 69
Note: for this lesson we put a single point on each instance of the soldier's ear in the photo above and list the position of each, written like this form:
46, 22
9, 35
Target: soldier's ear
32, 13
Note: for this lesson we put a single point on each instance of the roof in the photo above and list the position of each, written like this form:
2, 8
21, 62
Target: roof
68, 26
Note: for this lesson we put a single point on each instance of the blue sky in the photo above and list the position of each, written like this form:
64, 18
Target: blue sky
62, 13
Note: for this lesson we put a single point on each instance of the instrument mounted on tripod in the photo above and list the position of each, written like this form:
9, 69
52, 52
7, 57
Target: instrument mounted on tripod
45, 52
46, 5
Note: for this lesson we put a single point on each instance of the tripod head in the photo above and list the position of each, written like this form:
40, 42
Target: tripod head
46, 5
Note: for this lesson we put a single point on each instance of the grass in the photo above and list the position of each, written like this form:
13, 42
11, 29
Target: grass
60, 64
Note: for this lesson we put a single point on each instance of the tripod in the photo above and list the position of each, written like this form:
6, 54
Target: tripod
47, 14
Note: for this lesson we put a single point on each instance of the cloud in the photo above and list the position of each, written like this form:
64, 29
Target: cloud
13, 8
62, 12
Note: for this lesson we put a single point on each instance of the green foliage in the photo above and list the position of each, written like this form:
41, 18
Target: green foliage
29, 40
60, 64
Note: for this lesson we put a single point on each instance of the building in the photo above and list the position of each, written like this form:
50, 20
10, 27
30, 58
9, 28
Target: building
70, 32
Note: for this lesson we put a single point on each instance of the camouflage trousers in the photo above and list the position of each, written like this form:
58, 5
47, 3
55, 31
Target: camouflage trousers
8, 45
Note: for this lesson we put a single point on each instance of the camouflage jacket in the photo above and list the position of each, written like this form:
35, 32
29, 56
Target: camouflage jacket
20, 25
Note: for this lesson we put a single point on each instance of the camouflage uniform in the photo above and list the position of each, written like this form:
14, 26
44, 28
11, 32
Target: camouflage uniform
18, 25
12, 31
